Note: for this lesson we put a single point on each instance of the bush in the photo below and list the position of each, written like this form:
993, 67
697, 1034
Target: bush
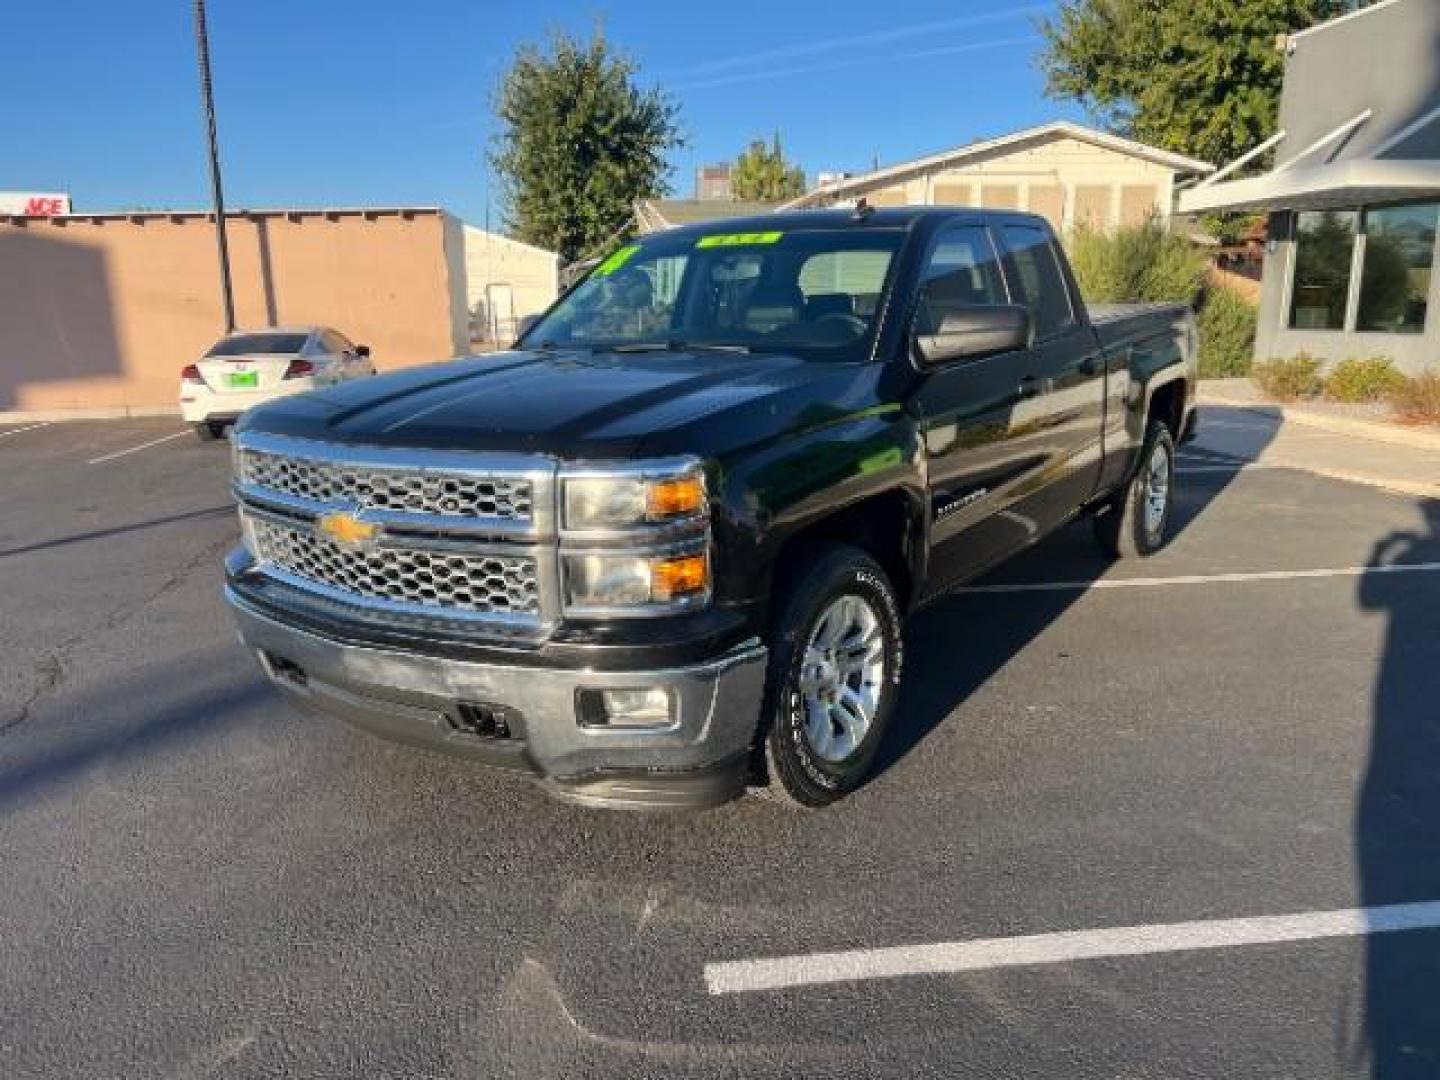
1418, 398
1370, 378
1227, 334
1287, 378
1137, 264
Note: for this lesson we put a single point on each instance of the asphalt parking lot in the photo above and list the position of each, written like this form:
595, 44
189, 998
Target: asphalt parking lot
202, 882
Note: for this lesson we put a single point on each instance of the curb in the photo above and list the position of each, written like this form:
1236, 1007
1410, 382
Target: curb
118, 412
1394, 434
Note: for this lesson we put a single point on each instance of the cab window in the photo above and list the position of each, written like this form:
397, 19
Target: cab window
963, 270
1037, 280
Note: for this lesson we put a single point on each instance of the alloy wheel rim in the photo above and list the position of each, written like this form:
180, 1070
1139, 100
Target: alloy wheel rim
842, 676
1157, 490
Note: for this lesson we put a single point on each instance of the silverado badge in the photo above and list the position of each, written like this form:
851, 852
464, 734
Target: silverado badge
346, 530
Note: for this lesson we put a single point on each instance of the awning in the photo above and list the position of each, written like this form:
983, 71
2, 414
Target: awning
1345, 183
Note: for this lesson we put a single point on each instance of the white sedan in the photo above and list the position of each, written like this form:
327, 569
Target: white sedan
248, 367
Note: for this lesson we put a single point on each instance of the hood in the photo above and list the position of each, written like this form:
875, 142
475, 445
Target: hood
572, 405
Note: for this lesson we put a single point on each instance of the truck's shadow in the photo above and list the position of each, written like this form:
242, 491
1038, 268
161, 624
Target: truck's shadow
954, 646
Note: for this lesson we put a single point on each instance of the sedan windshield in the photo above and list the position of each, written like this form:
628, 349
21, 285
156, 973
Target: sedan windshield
813, 293
251, 344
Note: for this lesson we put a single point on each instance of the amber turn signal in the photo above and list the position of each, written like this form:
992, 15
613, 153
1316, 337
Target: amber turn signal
680, 576
680, 497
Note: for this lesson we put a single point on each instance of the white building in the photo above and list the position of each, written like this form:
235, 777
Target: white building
1068, 173
506, 281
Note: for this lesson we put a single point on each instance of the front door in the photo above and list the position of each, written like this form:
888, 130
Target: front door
971, 415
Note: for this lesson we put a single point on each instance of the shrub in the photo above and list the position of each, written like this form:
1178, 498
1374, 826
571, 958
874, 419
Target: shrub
1227, 334
1286, 378
1418, 398
1370, 378
1143, 263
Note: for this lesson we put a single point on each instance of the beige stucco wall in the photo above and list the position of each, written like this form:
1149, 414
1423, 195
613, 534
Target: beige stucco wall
493, 262
104, 312
1027, 178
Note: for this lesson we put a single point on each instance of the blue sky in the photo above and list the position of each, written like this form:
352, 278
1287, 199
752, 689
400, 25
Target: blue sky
368, 103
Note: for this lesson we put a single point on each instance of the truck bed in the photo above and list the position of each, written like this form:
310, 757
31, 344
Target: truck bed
1117, 324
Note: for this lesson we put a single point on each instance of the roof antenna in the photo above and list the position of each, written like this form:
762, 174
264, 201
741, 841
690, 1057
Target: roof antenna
863, 209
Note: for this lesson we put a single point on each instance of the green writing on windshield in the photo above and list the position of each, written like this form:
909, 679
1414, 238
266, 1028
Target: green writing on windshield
739, 239
617, 260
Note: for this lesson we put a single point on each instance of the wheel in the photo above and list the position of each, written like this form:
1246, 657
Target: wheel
1135, 521
834, 676
209, 430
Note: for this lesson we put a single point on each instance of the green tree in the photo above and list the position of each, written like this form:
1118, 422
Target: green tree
761, 173
1198, 77
579, 143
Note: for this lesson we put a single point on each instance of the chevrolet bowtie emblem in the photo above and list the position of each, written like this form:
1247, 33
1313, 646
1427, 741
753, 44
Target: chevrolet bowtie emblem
346, 529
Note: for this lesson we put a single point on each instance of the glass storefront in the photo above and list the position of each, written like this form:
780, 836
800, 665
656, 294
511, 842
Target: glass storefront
1396, 269
1324, 256
1399, 262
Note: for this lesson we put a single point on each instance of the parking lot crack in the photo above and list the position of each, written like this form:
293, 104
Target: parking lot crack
51, 669
52, 673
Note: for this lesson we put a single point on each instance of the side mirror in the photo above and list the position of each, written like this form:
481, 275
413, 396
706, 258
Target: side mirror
362, 350
968, 332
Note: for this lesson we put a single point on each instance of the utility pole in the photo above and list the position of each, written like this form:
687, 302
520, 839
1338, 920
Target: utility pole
202, 46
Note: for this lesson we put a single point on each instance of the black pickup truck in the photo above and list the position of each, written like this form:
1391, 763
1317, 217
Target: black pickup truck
662, 550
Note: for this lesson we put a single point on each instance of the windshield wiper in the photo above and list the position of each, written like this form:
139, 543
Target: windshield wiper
679, 346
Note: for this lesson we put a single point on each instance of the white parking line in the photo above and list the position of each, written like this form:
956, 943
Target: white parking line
137, 449
946, 958
1201, 579
22, 430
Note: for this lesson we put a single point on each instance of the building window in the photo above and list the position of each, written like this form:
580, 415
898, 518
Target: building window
1324, 255
1399, 261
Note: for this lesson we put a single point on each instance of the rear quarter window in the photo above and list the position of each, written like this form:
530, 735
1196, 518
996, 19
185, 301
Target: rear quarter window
1036, 279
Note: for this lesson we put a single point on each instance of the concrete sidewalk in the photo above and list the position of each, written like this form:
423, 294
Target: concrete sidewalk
1370, 421
1267, 436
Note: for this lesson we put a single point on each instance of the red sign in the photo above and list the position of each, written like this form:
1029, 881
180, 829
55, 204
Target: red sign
34, 203
44, 205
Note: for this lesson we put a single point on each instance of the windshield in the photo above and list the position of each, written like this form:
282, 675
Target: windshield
811, 292
247, 344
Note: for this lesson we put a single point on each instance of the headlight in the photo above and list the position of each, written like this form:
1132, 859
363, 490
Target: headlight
657, 583
618, 502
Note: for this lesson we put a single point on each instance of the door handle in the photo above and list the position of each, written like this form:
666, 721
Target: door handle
1029, 387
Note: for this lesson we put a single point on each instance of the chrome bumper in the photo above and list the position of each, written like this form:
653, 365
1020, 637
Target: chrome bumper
700, 759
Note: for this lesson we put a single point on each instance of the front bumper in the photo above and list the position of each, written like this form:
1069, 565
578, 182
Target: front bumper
700, 759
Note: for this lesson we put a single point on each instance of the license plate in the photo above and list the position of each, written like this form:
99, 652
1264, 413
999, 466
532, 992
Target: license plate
243, 380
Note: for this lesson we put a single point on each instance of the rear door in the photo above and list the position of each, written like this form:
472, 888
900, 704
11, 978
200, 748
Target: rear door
977, 450
1060, 416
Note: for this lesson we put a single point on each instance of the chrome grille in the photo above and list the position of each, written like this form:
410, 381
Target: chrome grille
454, 495
439, 579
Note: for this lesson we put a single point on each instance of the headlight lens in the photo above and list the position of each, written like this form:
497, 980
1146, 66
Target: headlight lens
617, 502
599, 582
604, 502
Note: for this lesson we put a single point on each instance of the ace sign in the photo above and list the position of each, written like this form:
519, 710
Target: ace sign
34, 203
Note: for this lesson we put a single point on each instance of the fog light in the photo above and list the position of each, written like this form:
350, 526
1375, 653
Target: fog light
652, 708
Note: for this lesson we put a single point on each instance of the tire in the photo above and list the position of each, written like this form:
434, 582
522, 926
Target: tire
209, 430
1135, 523
844, 596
